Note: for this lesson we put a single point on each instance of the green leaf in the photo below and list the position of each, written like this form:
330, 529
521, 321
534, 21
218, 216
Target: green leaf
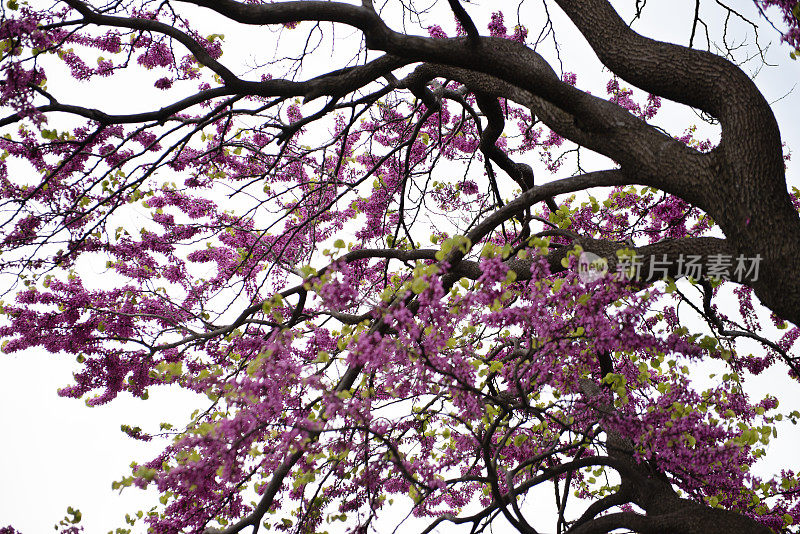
708, 343
419, 285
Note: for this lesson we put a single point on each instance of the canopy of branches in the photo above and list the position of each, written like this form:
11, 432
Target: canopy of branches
410, 266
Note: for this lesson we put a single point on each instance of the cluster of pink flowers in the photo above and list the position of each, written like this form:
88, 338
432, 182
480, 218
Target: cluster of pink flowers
622, 97
791, 15
255, 309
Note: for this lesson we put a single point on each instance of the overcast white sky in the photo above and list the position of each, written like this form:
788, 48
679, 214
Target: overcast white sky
56, 453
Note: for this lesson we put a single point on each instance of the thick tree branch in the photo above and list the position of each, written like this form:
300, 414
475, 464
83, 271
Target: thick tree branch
746, 195
519, 172
334, 85
649, 156
361, 17
465, 21
597, 507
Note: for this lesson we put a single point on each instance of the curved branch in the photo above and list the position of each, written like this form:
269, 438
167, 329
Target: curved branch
720, 326
630, 520
160, 115
666, 512
465, 21
692, 77
519, 172
688, 518
644, 152
200, 53
597, 507
749, 168
362, 17
329, 84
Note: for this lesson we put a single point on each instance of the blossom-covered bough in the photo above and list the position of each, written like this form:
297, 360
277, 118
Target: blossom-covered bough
358, 271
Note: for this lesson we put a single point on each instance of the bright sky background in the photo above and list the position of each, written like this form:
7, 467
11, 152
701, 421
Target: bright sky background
56, 453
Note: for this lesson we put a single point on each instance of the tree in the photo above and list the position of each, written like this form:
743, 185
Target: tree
263, 238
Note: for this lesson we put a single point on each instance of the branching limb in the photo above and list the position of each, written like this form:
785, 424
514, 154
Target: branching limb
615, 499
465, 21
519, 172
723, 331
201, 54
